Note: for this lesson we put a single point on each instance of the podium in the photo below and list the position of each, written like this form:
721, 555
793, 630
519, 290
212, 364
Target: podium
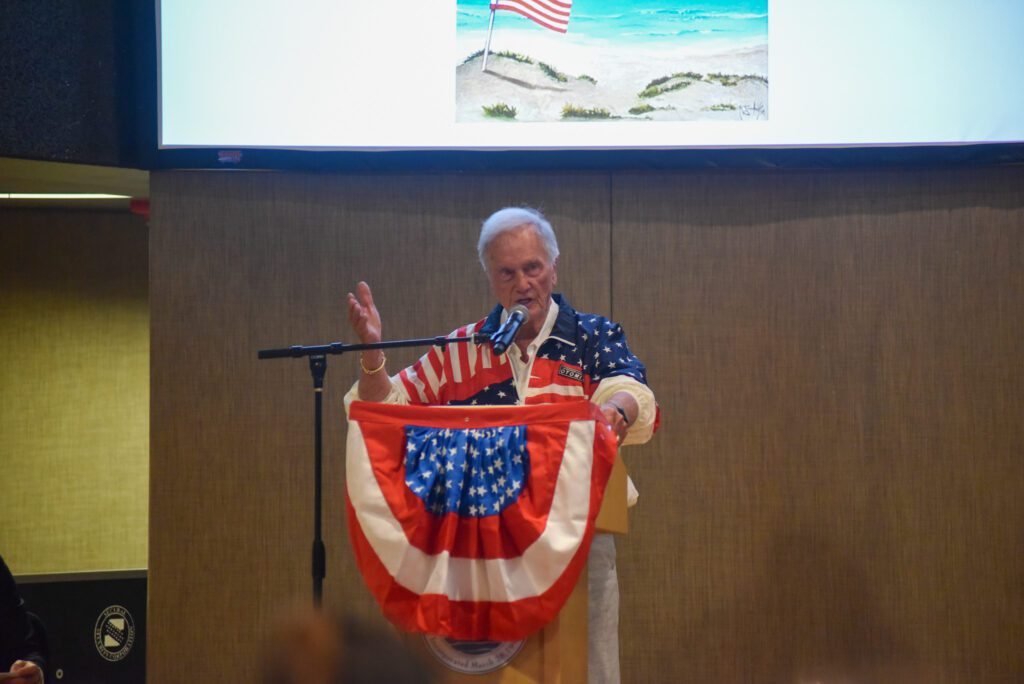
557, 654
478, 530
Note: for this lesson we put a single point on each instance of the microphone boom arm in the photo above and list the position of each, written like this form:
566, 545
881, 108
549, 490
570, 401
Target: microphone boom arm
298, 351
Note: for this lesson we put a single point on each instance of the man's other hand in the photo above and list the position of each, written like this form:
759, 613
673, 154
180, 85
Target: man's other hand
28, 673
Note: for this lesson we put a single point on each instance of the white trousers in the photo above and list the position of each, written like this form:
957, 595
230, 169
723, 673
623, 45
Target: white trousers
603, 612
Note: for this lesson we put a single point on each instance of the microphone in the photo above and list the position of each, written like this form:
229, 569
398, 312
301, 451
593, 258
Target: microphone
506, 334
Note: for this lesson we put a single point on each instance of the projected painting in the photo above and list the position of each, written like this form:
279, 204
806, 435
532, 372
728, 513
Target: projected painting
626, 60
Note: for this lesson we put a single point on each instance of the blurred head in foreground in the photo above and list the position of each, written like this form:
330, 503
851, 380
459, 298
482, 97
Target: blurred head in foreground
309, 647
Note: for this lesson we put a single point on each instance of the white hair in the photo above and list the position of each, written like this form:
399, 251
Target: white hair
511, 218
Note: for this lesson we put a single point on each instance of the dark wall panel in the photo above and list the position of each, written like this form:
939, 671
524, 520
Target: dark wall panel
837, 487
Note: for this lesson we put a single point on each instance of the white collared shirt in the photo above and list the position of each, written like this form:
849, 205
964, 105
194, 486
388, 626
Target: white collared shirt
521, 369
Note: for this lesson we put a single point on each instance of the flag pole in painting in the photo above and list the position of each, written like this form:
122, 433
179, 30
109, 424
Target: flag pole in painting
474, 523
487, 46
551, 14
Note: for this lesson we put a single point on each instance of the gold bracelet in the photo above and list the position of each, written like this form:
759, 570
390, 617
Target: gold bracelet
378, 369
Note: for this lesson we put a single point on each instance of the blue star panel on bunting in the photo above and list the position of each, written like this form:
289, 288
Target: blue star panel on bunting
475, 473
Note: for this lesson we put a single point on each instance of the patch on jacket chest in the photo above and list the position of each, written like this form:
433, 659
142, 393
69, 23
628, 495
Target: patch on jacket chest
571, 373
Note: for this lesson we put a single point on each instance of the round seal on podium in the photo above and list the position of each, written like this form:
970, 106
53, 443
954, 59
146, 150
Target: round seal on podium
473, 657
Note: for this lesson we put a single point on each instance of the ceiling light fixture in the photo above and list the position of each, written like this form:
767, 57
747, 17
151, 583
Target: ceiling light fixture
58, 196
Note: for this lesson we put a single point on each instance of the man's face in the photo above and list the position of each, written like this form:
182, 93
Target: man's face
521, 273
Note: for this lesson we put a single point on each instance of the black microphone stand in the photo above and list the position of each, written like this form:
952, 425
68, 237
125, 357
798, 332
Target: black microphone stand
317, 355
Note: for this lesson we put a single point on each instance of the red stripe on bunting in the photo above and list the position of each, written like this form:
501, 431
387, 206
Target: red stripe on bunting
467, 620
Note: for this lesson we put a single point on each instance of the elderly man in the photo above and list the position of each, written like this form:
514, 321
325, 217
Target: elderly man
558, 355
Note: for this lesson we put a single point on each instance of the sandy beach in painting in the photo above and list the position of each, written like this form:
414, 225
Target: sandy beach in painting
543, 76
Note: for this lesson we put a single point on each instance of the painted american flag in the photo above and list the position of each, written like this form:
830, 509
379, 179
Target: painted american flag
551, 14
474, 523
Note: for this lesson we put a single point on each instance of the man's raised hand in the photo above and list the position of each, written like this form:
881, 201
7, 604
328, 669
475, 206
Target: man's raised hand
363, 315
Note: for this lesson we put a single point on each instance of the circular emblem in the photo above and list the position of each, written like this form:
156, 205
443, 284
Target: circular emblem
114, 633
473, 657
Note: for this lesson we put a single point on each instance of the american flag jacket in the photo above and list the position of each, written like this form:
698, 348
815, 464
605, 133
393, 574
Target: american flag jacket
582, 350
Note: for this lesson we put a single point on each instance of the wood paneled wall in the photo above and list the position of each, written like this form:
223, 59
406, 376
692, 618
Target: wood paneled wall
838, 356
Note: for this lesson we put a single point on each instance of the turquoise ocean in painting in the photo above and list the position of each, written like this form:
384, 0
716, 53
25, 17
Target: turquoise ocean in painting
644, 21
